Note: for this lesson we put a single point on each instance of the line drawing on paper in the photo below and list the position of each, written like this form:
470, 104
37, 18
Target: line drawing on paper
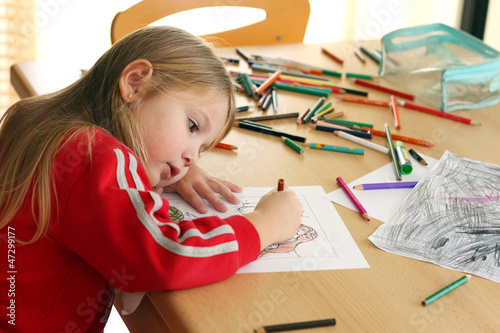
290, 248
321, 242
451, 218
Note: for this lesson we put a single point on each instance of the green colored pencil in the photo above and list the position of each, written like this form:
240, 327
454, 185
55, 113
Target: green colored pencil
340, 149
359, 76
446, 290
293, 145
351, 123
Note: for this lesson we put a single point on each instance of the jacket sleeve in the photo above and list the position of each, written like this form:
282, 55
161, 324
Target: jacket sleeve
116, 223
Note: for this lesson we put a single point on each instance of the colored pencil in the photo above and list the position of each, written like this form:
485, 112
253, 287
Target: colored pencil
446, 290
362, 100
304, 114
331, 55
416, 156
333, 123
281, 184
267, 102
269, 117
319, 110
370, 54
353, 198
355, 92
330, 116
405, 166
359, 76
263, 98
359, 55
295, 326
302, 81
243, 54
242, 108
268, 131
230, 60
400, 137
333, 128
438, 113
340, 149
362, 142
351, 123
315, 108
384, 89
321, 113
392, 152
395, 113
322, 70
292, 145
382, 186
226, 146
274, 96
324, 92
267, 83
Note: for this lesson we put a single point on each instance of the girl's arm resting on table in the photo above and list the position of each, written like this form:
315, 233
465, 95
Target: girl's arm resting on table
197, 184
115, 222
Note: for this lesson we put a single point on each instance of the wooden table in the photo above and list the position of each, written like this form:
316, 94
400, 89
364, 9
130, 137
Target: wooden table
384, 298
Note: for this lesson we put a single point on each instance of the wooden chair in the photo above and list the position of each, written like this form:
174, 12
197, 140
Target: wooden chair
285, 21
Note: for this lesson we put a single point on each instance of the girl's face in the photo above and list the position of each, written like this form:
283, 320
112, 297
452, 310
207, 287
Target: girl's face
177, 127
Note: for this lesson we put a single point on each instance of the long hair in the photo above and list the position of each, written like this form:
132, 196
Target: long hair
34, 129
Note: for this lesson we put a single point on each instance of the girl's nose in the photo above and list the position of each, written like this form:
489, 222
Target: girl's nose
191, 156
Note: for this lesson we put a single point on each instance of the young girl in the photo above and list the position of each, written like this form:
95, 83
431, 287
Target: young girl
81, 173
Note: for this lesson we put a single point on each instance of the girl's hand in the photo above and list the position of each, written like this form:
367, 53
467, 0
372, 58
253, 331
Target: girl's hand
277, 216
197, 184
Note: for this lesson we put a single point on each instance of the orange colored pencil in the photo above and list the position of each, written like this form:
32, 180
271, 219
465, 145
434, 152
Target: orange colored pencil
267, 83
226, 146
331, 55
395, 112
400, 137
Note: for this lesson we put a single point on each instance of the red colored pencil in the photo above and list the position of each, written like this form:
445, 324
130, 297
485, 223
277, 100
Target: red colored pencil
225, 146
281, 185
384, 89
331, 55
395, 112
347, 98
438, 113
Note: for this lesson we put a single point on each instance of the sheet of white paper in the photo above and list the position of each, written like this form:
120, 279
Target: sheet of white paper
451, 218
322, 242
381, 204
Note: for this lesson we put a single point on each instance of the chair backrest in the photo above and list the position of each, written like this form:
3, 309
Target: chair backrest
285, 21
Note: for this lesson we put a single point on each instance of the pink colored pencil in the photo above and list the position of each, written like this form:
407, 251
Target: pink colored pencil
353, 198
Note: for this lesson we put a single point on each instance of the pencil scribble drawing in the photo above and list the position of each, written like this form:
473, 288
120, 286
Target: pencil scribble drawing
451, 218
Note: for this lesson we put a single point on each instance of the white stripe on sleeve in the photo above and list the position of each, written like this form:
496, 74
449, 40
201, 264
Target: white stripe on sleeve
153, 225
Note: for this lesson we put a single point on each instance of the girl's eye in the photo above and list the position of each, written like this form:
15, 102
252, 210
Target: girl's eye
193, 127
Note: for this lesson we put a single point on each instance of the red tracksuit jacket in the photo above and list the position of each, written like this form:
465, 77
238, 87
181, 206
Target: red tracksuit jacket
108, 230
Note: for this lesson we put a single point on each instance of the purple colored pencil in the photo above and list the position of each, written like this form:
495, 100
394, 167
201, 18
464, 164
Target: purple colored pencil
382, 186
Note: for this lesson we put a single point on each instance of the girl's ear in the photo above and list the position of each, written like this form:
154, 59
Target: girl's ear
133, 77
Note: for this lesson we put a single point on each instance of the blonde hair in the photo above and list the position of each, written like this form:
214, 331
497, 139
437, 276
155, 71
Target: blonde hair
33, 130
